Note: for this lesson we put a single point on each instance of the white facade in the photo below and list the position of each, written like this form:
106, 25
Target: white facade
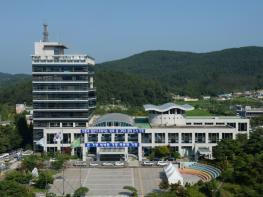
63, 88
198, 134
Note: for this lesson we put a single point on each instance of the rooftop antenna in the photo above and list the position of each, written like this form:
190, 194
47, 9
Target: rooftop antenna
45, 33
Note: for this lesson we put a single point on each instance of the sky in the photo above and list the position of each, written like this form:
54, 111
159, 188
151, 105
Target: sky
114, 29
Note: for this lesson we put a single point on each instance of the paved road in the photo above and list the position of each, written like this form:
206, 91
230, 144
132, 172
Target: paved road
108, 181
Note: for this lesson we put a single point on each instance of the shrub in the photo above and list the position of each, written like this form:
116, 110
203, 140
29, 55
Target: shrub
19, 177
44, 178
80, 192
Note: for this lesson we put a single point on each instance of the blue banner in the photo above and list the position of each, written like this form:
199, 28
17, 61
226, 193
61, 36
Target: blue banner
112, 144
126, 130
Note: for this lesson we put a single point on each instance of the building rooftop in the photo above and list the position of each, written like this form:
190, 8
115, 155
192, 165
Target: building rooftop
167, 106
115, 117
213, 117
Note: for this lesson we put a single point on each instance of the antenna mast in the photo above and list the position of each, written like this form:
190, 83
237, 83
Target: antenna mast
45, 33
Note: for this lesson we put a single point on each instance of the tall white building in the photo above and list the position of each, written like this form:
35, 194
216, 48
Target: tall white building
63, 87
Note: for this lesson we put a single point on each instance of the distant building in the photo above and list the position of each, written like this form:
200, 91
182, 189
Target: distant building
5, 123
190, 99
248, 111
20, 108
206, 97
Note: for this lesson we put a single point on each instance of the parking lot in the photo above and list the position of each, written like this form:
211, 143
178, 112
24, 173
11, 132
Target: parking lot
108, 181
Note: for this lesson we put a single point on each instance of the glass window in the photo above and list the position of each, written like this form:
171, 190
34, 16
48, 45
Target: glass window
213, 137
232, 124
228, 136
79, 135
242, 126
159, 137
66, 138
92, 137
119, 137
200, 138
146, 138
50, 138
133, 137
106, 137
186, 138
173, 137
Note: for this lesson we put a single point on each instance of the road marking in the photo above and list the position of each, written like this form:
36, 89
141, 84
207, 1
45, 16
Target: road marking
132, 177
86, 178
140, 180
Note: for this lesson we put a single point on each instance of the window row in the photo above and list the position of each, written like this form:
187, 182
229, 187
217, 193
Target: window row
146, 137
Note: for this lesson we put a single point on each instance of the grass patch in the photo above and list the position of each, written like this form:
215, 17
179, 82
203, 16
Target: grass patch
198, 112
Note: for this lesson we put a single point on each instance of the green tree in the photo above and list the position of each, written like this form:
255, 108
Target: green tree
81, 192
25, 131
30, 162
161, 151
10, 188
44, 178
133, 190
9, 138
19, 177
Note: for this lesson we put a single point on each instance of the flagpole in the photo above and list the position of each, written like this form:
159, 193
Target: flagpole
81, 158
63, 168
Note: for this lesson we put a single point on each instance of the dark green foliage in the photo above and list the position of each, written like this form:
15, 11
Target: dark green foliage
44, 178
80, 192
30, 162
25, 131
133, 190
129, 89
58, 164
9, 138
11, 188
164, 184
151, 76
15, 88
197, 73
256, 121
161, 151
19, 177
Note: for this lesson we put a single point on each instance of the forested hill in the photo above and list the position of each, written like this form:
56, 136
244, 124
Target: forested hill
151, 76
126, 88
197, 73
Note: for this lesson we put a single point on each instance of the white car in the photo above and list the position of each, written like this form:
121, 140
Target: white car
162, 163
119, 163
93, 164
107, 164
148, 163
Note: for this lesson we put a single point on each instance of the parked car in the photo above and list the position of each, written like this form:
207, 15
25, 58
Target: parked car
93, 164
162, 163
107, 164
148, 163
171, 159
119, 163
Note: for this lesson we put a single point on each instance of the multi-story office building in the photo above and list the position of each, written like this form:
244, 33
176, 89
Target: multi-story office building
63, 87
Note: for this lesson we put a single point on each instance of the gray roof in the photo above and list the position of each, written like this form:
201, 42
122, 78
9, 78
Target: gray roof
115, 117
167, 106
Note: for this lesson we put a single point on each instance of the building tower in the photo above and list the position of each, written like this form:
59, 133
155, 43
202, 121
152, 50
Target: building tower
63, 87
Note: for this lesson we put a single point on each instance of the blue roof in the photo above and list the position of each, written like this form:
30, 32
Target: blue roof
167, 106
